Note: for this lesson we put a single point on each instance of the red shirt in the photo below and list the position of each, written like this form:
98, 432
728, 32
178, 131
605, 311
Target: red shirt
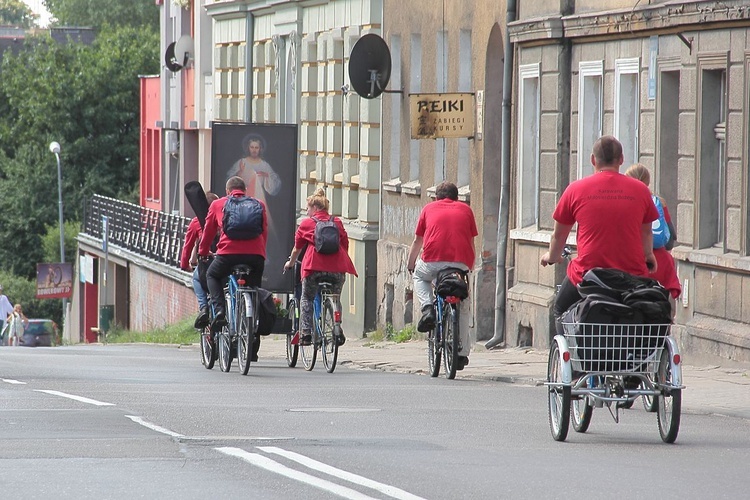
214, 222
191, 236
448, 228
610, 209
338, 262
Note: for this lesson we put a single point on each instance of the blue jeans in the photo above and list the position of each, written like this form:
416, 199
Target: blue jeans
200, 293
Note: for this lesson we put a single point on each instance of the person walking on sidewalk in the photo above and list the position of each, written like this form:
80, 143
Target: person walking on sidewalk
445, 234
614, 213
319, 264
18, 322
6, 308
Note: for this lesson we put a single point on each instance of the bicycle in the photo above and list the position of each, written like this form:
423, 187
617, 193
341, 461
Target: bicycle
594, 364
242, 321
444, 340
326, 329
208, 351
293, 312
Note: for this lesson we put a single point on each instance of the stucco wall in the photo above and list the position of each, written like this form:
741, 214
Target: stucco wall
157, 301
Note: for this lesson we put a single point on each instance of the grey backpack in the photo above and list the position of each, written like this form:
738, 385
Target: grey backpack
326, 236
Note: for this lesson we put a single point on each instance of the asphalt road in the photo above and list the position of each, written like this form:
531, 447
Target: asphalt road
142, 421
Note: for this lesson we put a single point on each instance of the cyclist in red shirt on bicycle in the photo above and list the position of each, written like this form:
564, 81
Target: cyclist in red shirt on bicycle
317, 267
614, 213
229, 253
445, 234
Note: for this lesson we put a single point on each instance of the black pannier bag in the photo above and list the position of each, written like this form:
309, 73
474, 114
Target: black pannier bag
452, 282
613, 297
266, 312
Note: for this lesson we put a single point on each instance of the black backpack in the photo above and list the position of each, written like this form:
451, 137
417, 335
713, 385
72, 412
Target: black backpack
243, 218
326, 236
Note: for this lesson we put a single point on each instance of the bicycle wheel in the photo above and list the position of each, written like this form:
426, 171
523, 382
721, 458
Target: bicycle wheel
329, 347
434, 350
558, 397
669, 403
450, 341
245, 334
292, 350
208, 348
581, 411
225, 349
650, 403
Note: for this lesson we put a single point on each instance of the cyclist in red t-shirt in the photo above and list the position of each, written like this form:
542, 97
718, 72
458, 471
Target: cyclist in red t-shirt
614, 215
317, 267
445, 234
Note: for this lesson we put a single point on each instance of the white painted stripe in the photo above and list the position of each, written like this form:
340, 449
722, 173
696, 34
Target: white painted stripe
153, 427
386, 489
270, 465
11, 381
77, 398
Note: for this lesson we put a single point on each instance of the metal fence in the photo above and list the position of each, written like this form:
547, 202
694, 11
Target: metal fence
144, 231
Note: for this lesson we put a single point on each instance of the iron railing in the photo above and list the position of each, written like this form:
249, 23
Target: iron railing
144, 231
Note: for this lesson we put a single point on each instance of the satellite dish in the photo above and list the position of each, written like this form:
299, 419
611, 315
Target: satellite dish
183, 49
171, 60
370, 66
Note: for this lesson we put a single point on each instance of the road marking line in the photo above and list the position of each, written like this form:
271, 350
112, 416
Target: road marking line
11, 381
153, 427
273, 466
386, 489
77, 398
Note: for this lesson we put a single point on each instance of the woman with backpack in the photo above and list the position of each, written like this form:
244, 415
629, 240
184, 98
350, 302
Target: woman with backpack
664, 236
326, 258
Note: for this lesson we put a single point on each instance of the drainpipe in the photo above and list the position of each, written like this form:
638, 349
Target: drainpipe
503, 212
249, 39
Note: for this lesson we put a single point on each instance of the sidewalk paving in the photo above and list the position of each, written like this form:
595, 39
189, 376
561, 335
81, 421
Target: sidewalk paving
709, 389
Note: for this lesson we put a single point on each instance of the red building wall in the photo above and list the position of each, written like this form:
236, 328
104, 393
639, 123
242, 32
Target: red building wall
151, 159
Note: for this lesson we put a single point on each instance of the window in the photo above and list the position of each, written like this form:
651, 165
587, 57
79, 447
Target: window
528, 145
464, 85
441, 72
711, 202
415, 86
590, 113
395, 102
627, 107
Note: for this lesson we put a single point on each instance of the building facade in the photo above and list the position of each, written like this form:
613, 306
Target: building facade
441, 48
671, 80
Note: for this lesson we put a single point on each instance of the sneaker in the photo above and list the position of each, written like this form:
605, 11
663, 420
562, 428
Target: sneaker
201, 321
340, 338
305, 339
427, 321
463, 362
219, 322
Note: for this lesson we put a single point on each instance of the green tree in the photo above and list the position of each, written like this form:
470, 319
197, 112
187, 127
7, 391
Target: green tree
87, 98
16, 13
99, 13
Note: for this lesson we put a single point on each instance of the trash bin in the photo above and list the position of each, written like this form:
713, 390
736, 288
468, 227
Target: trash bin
106, 315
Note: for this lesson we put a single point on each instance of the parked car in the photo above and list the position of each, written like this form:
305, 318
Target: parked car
40, 333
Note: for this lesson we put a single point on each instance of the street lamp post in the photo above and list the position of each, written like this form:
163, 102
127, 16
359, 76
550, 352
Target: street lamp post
54, 148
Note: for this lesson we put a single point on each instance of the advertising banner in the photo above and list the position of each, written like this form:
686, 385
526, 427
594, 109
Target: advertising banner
54, 280
265, 156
